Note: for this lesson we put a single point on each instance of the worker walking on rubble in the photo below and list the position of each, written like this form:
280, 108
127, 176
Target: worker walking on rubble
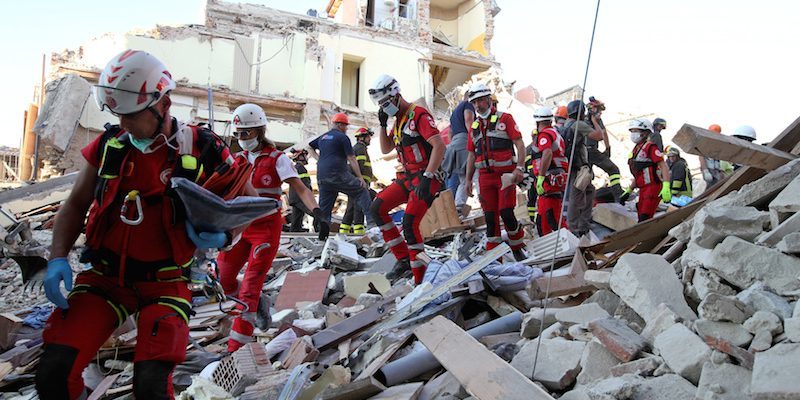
420, 148
580, 193
354, 216
455, 157
494, 143
550, 171
597, 158
299, 210
138, 242
260, 241
335, 162
560, 117
714, 170
659, 124
650, 172
680, 178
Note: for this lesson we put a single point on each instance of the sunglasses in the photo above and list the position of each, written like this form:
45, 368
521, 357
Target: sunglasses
243, 132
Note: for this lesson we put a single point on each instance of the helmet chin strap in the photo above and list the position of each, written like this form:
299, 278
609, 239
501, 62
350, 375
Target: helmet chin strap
159, 118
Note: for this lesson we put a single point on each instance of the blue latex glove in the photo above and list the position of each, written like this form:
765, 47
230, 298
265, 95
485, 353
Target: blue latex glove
206, 240
58, 270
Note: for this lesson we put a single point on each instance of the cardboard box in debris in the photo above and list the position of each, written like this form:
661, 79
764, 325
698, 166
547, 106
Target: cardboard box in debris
699, 302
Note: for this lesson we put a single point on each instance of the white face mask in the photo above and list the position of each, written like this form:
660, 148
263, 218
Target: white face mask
390, 108
146, 145
636, 137
248, 144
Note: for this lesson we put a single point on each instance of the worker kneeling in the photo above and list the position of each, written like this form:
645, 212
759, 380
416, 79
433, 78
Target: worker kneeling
494, 140
260, 241
551, 172
646, 162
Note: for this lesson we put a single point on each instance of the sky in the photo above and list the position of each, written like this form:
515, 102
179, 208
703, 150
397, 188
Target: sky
728, 62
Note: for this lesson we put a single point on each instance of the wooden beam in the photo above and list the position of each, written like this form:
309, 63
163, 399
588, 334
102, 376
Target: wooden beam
460, 354
702, 142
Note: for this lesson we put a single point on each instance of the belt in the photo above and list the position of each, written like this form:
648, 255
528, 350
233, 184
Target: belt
105, 262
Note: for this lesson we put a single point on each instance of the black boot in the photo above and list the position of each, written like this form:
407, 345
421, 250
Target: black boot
263, 317
520, 255
401, 269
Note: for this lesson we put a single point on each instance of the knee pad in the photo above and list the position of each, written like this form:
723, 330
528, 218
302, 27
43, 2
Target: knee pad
55, 366
151, 378
408, 229
491, 229
375, 210
509, 219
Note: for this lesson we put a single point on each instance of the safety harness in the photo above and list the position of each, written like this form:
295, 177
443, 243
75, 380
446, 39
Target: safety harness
640, 162
494, 140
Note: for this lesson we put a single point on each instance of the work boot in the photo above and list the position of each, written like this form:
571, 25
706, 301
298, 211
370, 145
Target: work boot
520, 255
401, 269
263, 317
616, 191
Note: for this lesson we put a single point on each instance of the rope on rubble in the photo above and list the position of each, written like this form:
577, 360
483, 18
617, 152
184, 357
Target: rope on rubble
564, 201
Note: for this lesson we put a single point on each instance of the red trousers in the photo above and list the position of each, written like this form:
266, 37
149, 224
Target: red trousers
549, 214
258, 247
97, 306
399, 192
649, 199
497, 204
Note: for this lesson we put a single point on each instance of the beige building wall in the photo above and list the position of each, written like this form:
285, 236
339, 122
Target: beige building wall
472, 26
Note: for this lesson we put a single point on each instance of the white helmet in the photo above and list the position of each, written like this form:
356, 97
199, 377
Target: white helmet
131, 82
745, 131
385, 86
641, 123
248, 116
479, 90
543, 114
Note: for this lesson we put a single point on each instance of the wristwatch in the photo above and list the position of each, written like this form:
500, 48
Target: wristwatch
521, 169
428, 174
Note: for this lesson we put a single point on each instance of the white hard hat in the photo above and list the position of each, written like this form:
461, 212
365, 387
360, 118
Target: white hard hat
641, 123
248, 116
543, 114
131, 82
384, 86
479, 90
745, 131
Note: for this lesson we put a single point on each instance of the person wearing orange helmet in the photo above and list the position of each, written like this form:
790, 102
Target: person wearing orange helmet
560, 117
353, 217
714, 170
335, 162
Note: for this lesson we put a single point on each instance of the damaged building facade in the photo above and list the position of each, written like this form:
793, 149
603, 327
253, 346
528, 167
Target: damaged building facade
301, 69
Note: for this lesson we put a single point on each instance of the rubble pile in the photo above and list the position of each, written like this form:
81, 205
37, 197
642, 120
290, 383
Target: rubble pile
715, 316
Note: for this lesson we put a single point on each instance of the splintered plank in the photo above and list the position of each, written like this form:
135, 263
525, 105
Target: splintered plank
460, 353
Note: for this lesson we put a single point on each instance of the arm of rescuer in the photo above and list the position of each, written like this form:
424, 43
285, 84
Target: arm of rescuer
520, 148
70, 218
469, 118
305, 195
470, 170
598, 133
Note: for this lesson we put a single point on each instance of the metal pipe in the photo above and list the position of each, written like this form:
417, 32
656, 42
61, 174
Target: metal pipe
422, 361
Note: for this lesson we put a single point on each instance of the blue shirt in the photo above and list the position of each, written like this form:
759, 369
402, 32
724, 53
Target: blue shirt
334, 148
457, 123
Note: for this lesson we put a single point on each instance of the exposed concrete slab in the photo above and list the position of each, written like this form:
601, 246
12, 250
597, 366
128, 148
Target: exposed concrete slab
776, 372
582, 314
713, 224
724, 382
761, 298
643, 281
786, 202
791, 326
716, 307
789, 225
663, 319
683, 351
596, 363
606, 299
742, 263
736, 334
558, 363
598, 279
790, 244
706, 282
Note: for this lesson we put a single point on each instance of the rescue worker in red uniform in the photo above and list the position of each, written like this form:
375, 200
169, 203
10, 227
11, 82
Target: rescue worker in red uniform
137, 240
420, 149
260, 241
551, 172
650, 171
494, 141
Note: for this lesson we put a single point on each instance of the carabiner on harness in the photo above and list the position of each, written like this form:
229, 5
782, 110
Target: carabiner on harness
132, 197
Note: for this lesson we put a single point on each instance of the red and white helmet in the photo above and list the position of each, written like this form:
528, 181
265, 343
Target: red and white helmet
384, 87
249, 115
131, 82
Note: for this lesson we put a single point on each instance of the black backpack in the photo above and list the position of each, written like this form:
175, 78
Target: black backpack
570, 140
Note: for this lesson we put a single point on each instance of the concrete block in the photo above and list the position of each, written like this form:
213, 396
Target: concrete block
558, 362
695, 256
596, 363
368, 300
764, 321
643, 281
706, 282
760, 190
582, 314
716, 307
598, 279
662, 320
665, 387
618, 338
790, 244
775, 373
532, 321
356, 284
786, 202
712, 224
622, 387
742, 263
736, 334
682, 231
761, 298
683, 351
790, 224
627, 314
791, 326
761, 342
642, 367
606, 299
724, 381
